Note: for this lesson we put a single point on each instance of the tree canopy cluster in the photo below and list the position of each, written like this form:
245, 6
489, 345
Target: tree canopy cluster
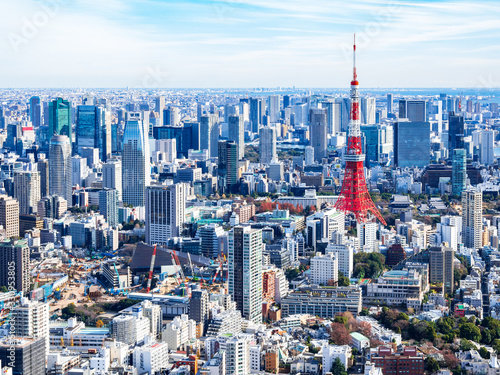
368, 265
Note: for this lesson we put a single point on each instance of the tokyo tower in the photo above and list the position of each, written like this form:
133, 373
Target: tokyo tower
354, 196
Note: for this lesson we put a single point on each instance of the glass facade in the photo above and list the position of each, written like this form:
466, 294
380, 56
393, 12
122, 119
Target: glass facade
412, 144
459, 171
60, 118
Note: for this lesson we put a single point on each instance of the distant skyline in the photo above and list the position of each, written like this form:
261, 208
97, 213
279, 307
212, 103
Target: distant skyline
248, 43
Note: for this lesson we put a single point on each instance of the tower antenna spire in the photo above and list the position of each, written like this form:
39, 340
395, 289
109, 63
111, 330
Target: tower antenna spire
354, 76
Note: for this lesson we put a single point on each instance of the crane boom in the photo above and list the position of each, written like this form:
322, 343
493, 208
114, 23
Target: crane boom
151, 267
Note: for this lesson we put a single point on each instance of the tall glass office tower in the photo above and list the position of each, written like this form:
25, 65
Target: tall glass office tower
60, 118
60, 167
93, 129
136, 169
459, 171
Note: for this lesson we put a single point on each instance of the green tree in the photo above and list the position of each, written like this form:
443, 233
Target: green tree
466, 345
3, 289
484, 353
486, 336
432, 365
470, 331
365, 311
338, 368
343, 281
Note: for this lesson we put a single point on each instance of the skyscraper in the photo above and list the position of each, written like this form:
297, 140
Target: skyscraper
29, 354
160, 106
60, 167
456, 132
112, 175
390, 102
60, 118
136, 170
472, 217
27, 191
402, 108
256, 112
487, 147
318, 132
267, 144
227, 170
171, 116
236, 131
36, 111
245, 271
441, 267
15, 253
333, 115
108, 205
211, 240
273, 108
43, 168
31, 319
459, 171
199, 307
368, 107
165, 206
412, 144
9, 215
93, 129
208, 140
416, 110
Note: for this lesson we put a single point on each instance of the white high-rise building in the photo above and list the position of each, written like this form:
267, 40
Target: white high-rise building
472, 217
368, 107
332, 352
255, 352
165, 206
487, 147
151, 358
79, 170
155, 315
267, 144
324, 268
245, 271
165, 151
130, 329
450, 231
136, 169
112, 175
367, 236
31, 319
273, 108
237, 356
180, 331
345, 256
309, 155
60, 167
236, 133
27, 191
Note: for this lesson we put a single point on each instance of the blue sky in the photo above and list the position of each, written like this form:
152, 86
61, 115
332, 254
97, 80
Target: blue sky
248, 43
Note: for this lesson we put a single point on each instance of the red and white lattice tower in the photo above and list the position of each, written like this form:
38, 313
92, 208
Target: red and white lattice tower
354, 196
